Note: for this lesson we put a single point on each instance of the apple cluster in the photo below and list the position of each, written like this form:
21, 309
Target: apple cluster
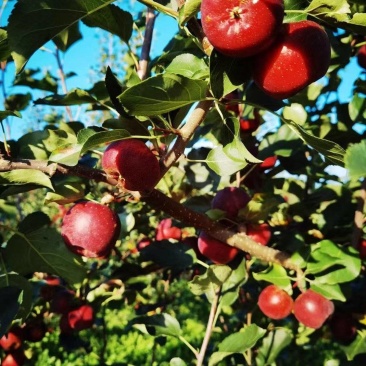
309, 308
56, 300
230, 200
285, 57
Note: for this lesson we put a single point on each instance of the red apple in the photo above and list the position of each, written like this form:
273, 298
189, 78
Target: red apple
232, 107
299, 56
217, 251
90, 229
165, 230
12, 340
16, 358
312, 309
133, 162
343, 327
275, 302
81, 317
241, 28
259, 233
361, 56
230, 200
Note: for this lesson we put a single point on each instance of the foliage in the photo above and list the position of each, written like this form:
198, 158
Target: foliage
164, 303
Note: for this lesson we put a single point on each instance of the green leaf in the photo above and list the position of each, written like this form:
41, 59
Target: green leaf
355, 160
259, 207
25, 176
357, 347
227, 73
158, 325
53, 16
333, 264
4, 45
331, 292
74, 97
188, 65
6, 114
227, 160
69, 154
237, 343
48, 83
177, 256
43, 250
295, 112
273, 344
275, 274
176, 361
25, 301
356, 107
332, 151
66, 191
113, 20
210, 281
162, 93
9, 306
189, 9
66, 38
33, 221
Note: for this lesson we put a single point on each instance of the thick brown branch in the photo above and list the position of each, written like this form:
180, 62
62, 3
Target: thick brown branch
241, 241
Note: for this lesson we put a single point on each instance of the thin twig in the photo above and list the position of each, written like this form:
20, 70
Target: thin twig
210, 325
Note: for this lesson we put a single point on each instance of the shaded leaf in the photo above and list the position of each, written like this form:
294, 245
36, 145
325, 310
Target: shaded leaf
6, 114
73, 97
357, 347
53, 16
43, 250
4, 45
9, 306
66, 38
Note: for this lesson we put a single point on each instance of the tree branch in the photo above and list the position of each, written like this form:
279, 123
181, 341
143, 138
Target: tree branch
359, 216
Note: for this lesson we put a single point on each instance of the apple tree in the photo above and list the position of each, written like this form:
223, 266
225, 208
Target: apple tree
205, 206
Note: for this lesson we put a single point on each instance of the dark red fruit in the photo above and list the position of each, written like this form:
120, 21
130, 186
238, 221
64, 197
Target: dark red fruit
299, 56
230, 200
90, 229
133, 162
241, 28
275, 302
312, 309
165, 230
361, 56
259, 233
250, 125
217, 251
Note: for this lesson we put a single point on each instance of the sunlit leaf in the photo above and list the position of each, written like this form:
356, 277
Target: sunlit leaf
157, 325
162, 93
355, 160
25, 176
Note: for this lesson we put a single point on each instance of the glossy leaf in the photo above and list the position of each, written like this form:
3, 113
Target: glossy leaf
162, 93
